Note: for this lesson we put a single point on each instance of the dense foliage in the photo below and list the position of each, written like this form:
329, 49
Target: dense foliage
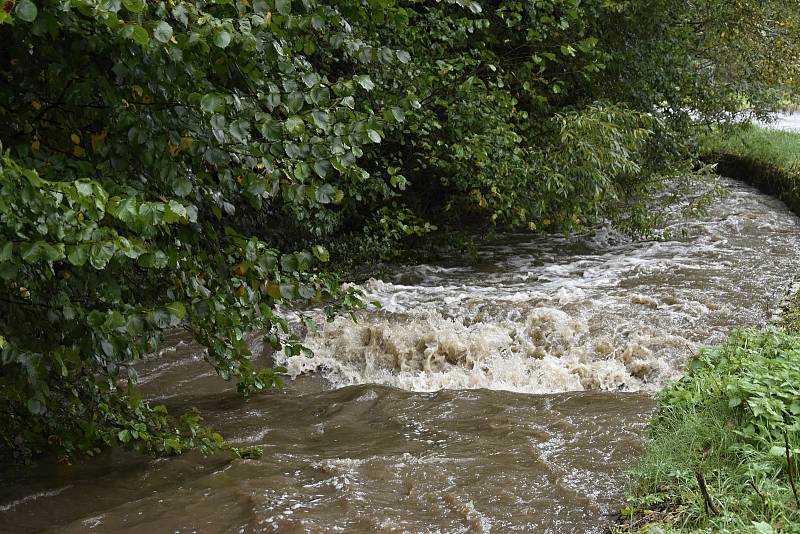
731, 423
195, 164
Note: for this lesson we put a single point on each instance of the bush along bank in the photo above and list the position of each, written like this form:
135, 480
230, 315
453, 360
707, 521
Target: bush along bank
725, 440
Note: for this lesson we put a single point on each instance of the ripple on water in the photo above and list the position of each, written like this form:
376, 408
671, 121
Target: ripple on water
421, 417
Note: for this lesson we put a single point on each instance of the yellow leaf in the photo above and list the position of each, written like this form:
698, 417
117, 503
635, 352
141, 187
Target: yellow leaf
98, 139
36, 105
78, 151
136, 89
186, 143
174, 150
35, 145
173, 40
75, 138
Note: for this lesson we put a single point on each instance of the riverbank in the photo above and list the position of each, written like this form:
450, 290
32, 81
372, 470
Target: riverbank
768, 159
725, 440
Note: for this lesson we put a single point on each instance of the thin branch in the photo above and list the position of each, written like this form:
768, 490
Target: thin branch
707, 501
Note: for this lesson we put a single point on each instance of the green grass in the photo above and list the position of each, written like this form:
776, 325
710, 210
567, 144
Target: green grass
790, 314
726, 423
771, 147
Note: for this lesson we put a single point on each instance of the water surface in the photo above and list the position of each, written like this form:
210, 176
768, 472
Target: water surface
505, 395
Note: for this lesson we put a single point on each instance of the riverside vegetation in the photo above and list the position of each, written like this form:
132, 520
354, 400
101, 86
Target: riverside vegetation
205, 164
724, 451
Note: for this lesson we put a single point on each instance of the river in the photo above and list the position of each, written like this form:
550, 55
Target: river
786, 121
504, 395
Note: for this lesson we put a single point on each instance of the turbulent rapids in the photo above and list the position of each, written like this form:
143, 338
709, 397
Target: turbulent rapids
505, 395
554, 314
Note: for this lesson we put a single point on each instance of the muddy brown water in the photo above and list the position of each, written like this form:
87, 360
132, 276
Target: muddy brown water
507, 395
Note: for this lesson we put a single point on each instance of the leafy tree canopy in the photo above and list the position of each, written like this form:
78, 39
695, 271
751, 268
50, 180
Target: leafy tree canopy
201, 164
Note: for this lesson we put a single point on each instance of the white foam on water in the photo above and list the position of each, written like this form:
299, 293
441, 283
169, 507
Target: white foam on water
540, 349
552, 314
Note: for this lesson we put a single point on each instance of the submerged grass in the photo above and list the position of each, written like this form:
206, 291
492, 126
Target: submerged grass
724, 444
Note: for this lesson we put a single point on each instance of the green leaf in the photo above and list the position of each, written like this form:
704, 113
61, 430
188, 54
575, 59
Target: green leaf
138, 34
212, 103
160, 318
295, 101
124, 435
403, 56
153, 260
68, 311
135, 6
271, 129
177, 310
31, 252
365, 81
317, 22
84, 187
374, 136
114, 321
240, 130
306, 292
321, 119
101, 253
287, 291
175, 212
134, 325
152, 213
182, 186
53, 252
321, 253
26, 10
218, 127
322, 167
324, 193
294, 125
284, 7
35, 406
162, 32
320, 95
398, 114
6, 251
126, 210
222, 39
8, 271
310, 79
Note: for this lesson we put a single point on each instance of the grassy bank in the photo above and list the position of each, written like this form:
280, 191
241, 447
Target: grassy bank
724, 446
768, 159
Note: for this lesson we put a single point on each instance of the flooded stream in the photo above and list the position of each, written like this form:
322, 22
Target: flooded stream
504, 395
